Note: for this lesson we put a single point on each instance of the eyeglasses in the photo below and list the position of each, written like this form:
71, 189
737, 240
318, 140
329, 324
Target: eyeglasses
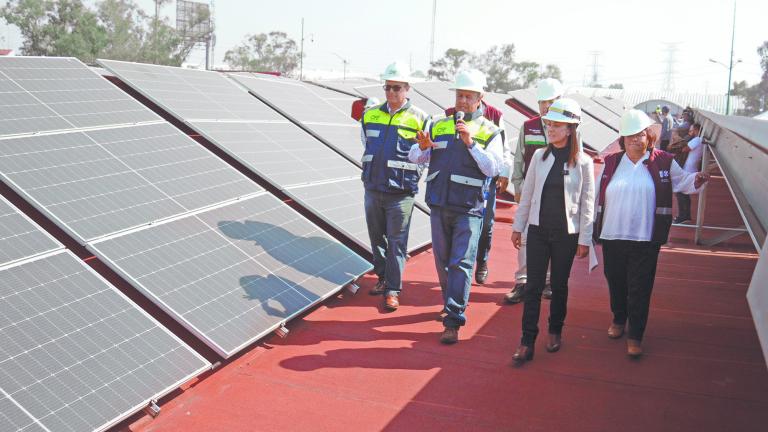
395, 88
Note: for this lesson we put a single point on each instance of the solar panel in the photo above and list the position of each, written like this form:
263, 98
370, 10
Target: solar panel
276, 150
436, 91
342, 101
304, 106
280, 152
19, 237
46, 94
75, 354
597, 111
415, 97
341, 204
616, 106
234, 273
192, 94
98, 182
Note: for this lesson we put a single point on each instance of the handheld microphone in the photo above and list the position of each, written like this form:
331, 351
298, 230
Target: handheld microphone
458, 117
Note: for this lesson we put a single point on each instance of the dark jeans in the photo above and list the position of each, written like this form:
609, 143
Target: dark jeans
389, 219
630, 268
484, 244
545, 246
454, 245
683, 205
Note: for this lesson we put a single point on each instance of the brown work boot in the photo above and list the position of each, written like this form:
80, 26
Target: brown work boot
379, 288
634, 348
391, 302
615, 331
450, 335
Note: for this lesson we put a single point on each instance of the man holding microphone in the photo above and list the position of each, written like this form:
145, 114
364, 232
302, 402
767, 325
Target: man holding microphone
464, 152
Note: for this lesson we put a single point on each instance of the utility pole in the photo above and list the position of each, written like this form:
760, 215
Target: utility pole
595, 68
669, 83
432, 41
155, 25
344, 62
730, 63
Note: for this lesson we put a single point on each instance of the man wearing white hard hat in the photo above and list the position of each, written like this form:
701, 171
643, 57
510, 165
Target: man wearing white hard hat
533, 136
391, 181
633, 219
464, 152
557, 210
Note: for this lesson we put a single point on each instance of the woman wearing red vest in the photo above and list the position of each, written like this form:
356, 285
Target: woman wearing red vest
557, 206
634, 215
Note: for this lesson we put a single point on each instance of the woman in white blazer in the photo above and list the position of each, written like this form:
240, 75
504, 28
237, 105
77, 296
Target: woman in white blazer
557, 209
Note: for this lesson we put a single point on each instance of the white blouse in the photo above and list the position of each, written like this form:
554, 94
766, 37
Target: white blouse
630, 199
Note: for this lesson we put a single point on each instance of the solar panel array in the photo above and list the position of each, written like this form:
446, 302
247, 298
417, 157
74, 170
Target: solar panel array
276, 149
137, 185
305, 106
75, 354
415, 97
599, 112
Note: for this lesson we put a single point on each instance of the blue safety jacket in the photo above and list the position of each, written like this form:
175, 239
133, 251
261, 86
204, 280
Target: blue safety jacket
454, 181
388, 139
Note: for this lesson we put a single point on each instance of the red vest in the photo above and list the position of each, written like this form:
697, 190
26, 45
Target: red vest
659, 165
534, 139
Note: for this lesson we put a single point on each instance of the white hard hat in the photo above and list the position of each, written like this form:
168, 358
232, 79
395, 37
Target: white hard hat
564, 111
471, 80
548, 89
633, 121
397, 71
371, 102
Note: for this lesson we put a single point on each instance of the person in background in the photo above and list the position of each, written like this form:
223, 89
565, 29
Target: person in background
695, 150
557, 209
532, 137
464, 153
390, 180
634, 216
667, 124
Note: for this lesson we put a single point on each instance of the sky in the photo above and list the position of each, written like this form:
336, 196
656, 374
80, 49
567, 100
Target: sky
632, 38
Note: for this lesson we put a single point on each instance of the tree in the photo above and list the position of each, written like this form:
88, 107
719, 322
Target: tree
755, 97
498, 64
115, 29
272, 52
56, 28
452, 61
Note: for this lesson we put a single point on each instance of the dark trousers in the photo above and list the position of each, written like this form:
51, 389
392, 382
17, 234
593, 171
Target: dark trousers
484, 244
545, 246
683, 205
630, 268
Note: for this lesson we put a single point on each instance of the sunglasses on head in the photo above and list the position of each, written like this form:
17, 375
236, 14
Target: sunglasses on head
395, 88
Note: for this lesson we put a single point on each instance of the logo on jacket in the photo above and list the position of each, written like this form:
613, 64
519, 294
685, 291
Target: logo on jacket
664, 176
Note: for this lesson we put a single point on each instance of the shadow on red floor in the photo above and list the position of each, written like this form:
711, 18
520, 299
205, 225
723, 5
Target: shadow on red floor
349, 366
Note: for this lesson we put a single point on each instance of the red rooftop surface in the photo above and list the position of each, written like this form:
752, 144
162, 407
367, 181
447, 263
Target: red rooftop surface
349, 366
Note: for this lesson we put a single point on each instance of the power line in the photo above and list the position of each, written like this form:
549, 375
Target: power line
595, 67
669, 82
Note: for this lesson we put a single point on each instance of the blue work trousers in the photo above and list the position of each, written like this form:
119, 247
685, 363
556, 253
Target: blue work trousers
484, 244
454, 244
389, 219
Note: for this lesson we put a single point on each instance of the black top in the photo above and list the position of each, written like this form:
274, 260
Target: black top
552, 210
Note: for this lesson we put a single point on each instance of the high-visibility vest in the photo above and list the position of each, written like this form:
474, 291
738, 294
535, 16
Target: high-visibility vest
534, 139
388, 139
455, 182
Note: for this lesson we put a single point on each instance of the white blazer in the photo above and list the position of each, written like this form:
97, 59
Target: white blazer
579, 195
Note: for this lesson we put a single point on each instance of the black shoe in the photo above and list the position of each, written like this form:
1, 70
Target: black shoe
379, 289
481, 274
682, 219
516, 295
547, 293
